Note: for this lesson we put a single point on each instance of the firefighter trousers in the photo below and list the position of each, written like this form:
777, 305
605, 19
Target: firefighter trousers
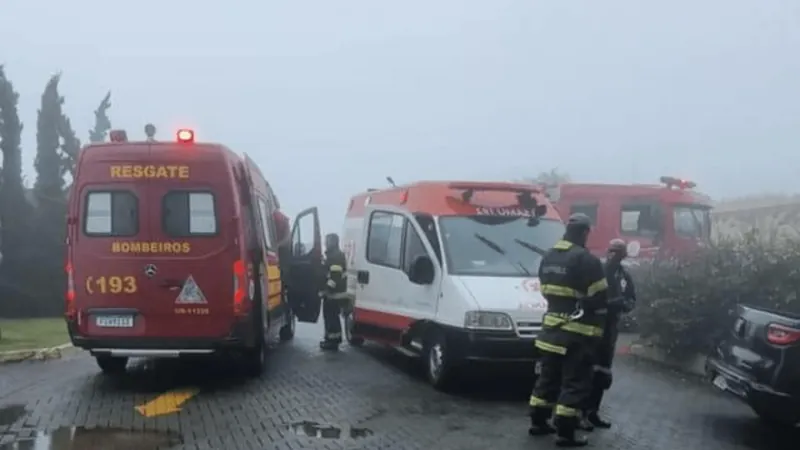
331, 312
601, 369
563, 385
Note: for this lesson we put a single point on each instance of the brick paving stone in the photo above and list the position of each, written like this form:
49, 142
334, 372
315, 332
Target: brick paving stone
370, 388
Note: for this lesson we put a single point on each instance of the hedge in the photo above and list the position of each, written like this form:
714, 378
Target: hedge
684, 306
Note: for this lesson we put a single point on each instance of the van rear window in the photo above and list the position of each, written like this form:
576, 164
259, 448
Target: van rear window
189, 213
111, 213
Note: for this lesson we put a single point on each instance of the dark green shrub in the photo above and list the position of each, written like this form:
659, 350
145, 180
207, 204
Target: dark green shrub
683, 306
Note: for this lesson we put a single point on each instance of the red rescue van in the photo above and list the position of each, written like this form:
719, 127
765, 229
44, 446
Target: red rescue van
172, 250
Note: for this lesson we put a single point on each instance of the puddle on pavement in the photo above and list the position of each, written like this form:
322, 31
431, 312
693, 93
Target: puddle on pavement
322, 431
10, 413
77, 438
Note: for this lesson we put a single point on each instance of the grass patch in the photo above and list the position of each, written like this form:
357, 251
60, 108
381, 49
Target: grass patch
29, 334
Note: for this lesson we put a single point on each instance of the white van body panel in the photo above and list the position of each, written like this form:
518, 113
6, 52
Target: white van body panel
454, 302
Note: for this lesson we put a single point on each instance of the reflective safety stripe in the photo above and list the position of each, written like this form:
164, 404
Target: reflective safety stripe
337, 296
598, 286
561, 291
563, 245
331, 283
602, 369
336, 268
550, 348
333, 335
537, 402
553, 320
566, 411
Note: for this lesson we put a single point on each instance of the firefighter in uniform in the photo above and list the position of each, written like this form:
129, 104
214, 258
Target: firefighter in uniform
574, 284
335, 292
621, 300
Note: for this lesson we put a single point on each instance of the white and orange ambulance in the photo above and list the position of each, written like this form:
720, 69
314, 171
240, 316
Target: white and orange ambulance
447, 271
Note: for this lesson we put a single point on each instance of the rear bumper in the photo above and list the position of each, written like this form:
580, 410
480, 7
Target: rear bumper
491, 347
240, 337
743, 386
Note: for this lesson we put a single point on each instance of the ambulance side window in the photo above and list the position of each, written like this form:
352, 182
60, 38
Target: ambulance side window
265, 219
111, 213
385, 240
188, 213
414, 248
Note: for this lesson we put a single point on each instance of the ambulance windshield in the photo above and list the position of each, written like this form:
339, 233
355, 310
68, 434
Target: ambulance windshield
496, 246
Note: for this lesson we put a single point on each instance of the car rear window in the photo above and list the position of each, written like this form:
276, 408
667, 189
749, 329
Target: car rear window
189, 213
111, 213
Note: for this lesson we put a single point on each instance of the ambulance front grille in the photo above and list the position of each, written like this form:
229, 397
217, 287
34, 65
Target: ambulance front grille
528, 328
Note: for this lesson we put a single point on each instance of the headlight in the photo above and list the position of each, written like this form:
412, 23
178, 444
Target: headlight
487, 320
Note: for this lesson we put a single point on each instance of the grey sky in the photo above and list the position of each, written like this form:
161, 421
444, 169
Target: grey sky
332, 96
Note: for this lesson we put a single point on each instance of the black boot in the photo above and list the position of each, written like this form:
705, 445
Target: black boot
329, 345
540, 422
595, 420
566, 436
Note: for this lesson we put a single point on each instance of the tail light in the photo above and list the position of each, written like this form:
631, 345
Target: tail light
70, 294
239, 286
782, 335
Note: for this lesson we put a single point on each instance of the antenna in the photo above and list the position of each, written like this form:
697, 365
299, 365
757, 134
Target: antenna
391, 181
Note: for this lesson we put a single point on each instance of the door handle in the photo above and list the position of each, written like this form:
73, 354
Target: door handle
362, 276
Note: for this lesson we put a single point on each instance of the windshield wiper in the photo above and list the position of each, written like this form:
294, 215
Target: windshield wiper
531, 247
493, 245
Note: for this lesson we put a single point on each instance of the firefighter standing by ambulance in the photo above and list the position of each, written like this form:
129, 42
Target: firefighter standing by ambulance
335, 292
621, 300
574, 284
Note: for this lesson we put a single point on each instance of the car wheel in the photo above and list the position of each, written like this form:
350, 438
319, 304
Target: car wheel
288, 329
774, 418
112, 365
355, 341
438, 362
256, 357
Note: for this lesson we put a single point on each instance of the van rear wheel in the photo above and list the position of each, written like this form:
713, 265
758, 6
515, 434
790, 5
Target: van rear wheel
112, 365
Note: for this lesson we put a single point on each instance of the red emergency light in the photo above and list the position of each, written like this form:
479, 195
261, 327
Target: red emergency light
185, 136
678, 183
118, 136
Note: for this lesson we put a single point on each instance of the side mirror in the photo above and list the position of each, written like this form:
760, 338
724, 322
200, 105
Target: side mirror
422, 270
540, 210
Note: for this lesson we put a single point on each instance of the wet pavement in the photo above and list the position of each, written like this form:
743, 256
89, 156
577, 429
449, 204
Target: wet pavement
366, 399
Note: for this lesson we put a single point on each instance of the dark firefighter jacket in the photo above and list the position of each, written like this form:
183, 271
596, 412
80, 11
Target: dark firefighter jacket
571, 278
336, 274
621, 300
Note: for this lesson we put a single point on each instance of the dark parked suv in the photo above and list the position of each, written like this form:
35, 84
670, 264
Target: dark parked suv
759, 362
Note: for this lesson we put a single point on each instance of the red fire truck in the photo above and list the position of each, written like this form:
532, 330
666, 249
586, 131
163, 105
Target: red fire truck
658, 220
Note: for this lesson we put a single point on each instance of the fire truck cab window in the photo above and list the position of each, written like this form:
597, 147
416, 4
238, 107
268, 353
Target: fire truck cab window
640, 220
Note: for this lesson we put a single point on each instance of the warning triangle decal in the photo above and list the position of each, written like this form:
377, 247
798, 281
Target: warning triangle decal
191, 293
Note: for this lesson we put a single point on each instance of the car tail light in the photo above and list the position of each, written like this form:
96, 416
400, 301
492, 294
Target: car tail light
239, 286
70, 294
782, 335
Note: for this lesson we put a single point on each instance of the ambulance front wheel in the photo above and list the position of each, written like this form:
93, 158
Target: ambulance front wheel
112, 365
439, 362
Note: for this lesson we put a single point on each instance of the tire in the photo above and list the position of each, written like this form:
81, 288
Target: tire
112, 365
773, 418
439, 365
287, 331
355, 341
255, 359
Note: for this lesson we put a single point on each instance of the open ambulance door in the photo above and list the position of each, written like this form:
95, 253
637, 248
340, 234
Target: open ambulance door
305, 267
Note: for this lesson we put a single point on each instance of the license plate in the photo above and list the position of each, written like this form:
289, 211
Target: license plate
720, 382
537, 369
114, 321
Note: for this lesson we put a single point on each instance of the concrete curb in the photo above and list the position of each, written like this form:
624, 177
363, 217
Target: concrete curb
41, 354
694, 365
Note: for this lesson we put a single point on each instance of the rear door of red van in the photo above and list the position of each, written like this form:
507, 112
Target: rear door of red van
190, 288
